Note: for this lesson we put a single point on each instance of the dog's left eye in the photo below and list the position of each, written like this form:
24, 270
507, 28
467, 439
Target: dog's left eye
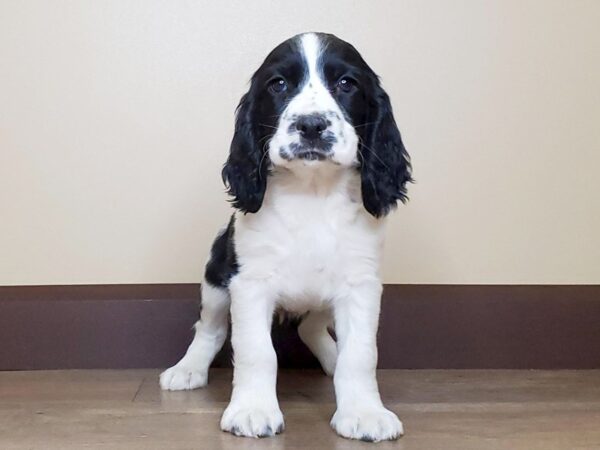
345, 85
278, 85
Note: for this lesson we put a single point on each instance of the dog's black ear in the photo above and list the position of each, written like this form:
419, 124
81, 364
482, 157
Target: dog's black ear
385, 164
245, 172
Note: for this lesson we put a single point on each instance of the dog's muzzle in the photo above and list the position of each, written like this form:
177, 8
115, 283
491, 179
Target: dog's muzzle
316, 140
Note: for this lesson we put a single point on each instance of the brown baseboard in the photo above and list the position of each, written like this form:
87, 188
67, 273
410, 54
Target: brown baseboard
422, 326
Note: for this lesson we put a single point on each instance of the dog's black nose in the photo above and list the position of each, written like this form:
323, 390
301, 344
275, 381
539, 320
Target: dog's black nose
311, 126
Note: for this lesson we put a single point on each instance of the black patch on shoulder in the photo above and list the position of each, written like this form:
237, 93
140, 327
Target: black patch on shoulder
223, 260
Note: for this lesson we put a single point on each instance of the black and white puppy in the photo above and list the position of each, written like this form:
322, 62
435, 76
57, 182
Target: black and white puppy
315, 164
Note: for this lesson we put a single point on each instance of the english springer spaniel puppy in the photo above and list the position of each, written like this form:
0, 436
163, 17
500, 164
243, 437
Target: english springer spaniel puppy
315, 165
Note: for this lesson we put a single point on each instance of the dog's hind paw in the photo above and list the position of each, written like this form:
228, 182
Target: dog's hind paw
180, 378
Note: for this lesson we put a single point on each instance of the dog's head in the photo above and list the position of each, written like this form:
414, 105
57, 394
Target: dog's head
314, 100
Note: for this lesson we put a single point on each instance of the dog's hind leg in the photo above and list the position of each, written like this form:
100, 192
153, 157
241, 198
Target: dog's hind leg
211, 330
191, 371
313, 331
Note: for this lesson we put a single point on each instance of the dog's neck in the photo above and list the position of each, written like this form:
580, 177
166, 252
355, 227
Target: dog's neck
318, 179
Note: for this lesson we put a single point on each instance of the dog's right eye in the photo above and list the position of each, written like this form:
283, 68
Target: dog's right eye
278, 85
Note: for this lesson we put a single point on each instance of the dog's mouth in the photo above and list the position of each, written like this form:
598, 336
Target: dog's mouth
312, 155
305, 153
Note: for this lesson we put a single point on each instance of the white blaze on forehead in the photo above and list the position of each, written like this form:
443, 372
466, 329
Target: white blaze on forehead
311, 48
314, 96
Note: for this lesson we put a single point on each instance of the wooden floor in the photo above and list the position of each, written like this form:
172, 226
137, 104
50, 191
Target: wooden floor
440, 410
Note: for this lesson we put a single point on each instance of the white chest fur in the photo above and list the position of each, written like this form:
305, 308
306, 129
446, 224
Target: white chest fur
311, 237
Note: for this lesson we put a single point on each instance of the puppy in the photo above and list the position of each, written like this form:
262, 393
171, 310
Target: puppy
315, 165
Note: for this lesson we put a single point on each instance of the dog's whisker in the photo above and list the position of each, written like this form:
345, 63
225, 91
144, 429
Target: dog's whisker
268, 136
363, 124
265, 152
267, 126
373, 152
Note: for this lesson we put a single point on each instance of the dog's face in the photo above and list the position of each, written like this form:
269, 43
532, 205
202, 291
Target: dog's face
314, 101
315, 106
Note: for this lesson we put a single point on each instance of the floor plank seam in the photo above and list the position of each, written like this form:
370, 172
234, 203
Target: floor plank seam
138, 390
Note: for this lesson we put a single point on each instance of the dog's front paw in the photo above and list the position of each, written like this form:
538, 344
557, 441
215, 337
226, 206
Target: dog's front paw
181, 377
372, 425
253, 421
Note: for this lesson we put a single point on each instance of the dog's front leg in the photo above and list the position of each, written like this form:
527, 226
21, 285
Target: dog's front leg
360, 413
253, 410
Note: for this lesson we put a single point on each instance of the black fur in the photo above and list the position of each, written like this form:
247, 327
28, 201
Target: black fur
246, 170
222, 264
385, 164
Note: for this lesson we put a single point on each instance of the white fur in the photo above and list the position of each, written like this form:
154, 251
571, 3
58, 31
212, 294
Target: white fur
312, 247
191, 371
254, 409
314, 332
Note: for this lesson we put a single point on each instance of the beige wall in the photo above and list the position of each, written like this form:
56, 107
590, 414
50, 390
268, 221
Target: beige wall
116, 116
